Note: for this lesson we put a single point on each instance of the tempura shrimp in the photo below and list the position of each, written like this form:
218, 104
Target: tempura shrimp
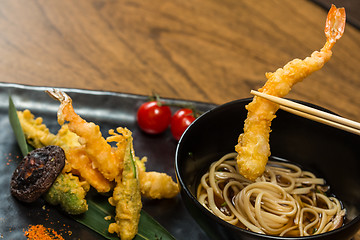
81, 165
97, 148
253, 145
156, 185
77, 161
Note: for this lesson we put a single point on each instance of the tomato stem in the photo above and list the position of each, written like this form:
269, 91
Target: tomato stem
156, 97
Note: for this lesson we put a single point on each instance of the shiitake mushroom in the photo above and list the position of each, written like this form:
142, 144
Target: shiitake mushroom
36, 173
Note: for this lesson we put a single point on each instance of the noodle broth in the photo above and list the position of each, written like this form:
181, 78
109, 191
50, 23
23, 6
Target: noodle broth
286, 201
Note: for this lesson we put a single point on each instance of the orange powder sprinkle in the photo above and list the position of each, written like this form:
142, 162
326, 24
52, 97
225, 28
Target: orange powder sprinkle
39, 232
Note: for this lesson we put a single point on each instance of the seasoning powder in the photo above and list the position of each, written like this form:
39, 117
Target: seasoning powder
39, 232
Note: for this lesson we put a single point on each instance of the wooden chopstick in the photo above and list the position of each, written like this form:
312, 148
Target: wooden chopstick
312, 113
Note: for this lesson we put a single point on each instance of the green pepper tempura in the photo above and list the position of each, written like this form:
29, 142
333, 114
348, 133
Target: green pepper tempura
127, 198
69, 192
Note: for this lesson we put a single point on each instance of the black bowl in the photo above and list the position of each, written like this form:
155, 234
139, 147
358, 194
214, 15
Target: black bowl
328, 152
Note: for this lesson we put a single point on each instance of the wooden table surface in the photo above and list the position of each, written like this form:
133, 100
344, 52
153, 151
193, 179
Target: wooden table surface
202, 50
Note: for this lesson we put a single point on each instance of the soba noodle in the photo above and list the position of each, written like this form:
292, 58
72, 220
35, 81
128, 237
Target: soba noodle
285, 201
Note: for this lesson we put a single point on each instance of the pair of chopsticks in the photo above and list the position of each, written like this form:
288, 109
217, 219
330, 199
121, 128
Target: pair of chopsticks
312, 113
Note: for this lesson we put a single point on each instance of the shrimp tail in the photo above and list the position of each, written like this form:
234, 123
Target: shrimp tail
335, 26
64, 99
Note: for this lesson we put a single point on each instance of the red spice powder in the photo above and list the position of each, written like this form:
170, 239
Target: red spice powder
39, 232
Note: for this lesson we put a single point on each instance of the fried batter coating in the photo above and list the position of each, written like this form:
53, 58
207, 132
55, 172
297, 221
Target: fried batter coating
96, 147
156, 185
69, 192
127, 198
81, 165
36, 133
66, 139
253, 145
77, 161
121, 139
153, 185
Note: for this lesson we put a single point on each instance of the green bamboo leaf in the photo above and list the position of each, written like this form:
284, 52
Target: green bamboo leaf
99, 207
16, 126
94, 217
149, 229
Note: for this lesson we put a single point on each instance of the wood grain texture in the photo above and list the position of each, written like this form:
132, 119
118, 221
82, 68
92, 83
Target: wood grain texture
202, 50
198, 50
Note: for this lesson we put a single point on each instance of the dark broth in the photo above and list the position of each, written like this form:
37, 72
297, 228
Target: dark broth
220, 203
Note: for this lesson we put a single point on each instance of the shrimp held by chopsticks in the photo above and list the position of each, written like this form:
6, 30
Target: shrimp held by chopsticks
253, 145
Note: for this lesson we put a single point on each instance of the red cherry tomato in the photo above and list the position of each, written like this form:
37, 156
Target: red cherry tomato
152, 118
180, 121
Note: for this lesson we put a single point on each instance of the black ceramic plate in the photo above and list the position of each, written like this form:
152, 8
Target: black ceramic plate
109, 110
